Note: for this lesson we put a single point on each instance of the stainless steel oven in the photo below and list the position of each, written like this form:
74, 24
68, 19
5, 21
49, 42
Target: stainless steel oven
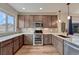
38, 24
38, 37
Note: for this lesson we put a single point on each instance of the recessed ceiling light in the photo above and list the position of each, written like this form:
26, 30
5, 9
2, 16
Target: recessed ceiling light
41, 8
23, 8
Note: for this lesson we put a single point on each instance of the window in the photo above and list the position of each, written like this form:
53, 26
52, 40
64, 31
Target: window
2, 22
11, 23
7, 23
75, 27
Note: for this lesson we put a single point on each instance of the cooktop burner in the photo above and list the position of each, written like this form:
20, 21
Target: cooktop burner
38, 31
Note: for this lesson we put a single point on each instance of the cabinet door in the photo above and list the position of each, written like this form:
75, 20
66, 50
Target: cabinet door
28, 39
47, 39
21, 41
21, 21
31, 21
60, 45
46, 21
7, 48
54, 21
37, 18
27, 18
50, 39
49, 21
16, 44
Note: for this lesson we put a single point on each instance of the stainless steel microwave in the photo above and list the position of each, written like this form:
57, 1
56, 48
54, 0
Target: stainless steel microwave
38, 24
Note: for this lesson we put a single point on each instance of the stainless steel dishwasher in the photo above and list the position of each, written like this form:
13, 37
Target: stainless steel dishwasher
70, 49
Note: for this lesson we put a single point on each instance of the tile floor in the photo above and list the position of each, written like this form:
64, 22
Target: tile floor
37, 50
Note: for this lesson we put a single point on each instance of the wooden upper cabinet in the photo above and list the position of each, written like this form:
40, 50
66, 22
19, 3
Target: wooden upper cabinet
21, 21
31, 21
27, 18
46, 21
54, 21
37, 18
27, 21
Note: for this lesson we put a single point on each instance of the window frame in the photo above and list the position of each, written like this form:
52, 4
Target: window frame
13, 21
6, 22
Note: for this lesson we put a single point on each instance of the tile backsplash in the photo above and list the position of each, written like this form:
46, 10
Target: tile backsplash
45, 30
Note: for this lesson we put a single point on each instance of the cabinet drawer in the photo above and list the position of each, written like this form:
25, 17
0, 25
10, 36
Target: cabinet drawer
7, 50
28, 39
4, 43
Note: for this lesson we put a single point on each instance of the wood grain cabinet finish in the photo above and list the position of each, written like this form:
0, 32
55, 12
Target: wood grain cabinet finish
31, 21
54, 21
21, 41
27, 21
46, 21
15, 44
37, 18
58, 44
28, 39
10, 46
21, 21
47, 39
7, 47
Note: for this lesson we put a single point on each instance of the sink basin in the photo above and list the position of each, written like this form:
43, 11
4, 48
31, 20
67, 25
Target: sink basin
63, 36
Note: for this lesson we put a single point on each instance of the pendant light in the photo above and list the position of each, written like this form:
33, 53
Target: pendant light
68, 11
59, 16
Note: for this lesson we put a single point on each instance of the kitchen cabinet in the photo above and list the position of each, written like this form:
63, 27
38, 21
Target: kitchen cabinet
16, 44
58, 43
60, 46
7, 47
46, 21
28, 39
21, 21
37, 18
21, 41
54, 21
31, 21
10, 46
47, 39
26, 23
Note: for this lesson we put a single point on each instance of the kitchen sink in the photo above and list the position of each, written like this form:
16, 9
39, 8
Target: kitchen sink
63, 36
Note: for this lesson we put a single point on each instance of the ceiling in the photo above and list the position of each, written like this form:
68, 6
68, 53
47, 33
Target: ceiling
47, 7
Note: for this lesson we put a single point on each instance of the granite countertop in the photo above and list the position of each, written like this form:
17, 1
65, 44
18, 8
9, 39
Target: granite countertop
3, 38
73, 39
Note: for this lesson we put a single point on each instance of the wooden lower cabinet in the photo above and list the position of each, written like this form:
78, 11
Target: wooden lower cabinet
47, 39
10, 46
58, 43
28, 39
7, 47
21, 41
15, 44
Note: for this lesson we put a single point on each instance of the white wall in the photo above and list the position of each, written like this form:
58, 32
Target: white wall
9, 10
